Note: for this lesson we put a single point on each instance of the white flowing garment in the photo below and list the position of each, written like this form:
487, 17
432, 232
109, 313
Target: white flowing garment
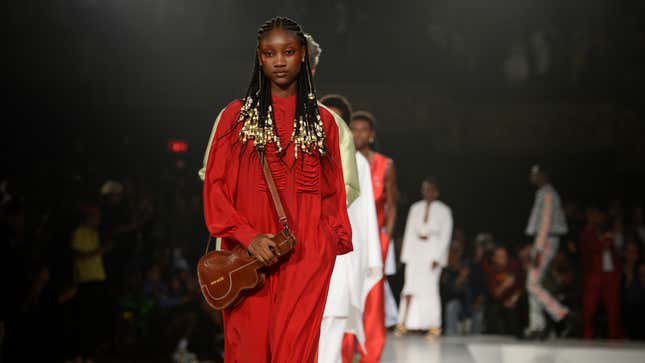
357, 272
421, 281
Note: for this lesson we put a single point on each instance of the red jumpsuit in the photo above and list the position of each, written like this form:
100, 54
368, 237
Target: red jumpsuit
281, 321
599, 284
374, 315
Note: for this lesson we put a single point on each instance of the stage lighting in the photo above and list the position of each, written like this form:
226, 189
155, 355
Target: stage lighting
177, 146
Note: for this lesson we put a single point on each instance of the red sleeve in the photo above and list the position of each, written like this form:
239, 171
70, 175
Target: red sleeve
334, 208
222, 219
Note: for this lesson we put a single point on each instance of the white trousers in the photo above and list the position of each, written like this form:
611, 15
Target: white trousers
332, 330
540, 299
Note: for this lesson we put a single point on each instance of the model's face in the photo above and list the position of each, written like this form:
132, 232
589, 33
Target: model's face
281, 55
429, 191
362, 132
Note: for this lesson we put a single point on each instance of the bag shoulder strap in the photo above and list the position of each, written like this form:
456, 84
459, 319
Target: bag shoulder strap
282, 217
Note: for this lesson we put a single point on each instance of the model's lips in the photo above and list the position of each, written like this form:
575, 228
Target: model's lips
281, 74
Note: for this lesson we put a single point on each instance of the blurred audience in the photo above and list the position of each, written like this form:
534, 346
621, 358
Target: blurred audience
117, 285
106, 272
633, 292
462, 293
638, 224
505, 282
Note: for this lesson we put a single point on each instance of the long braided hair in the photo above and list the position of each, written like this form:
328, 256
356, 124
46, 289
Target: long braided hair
257, 115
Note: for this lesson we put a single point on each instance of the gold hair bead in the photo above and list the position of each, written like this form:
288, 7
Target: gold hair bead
307, 135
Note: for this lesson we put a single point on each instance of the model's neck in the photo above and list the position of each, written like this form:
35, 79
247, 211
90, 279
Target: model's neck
285, 92
367, 152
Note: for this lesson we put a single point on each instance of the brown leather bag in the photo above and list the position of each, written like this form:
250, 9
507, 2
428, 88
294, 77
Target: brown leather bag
227, 277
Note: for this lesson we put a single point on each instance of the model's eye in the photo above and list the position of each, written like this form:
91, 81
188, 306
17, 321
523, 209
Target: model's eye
290, 52
268, 54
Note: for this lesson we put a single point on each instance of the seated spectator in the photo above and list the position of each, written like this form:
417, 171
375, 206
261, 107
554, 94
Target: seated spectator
601, 274
462, 297
455, 290
505, 283
478, 290
175, 294
638, 224
135, 309
153, 285
633, 292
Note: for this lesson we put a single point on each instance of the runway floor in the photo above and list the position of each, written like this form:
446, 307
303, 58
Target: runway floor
496, 349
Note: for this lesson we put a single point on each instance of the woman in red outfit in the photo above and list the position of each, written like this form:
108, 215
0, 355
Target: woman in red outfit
281, 321
601, 275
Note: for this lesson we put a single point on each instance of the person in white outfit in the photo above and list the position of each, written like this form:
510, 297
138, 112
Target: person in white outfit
546, 224
354, 273
426, 242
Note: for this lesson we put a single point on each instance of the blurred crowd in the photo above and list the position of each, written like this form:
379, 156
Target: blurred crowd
598, 271
106, 268
109, 272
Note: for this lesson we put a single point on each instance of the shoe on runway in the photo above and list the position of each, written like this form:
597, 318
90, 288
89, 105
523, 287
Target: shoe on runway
535, 335
433, 334
400, 330
569, 324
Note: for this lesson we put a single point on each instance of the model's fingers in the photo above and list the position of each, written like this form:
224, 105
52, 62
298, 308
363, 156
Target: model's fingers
270, 247
267, 255
274, 247
273, 253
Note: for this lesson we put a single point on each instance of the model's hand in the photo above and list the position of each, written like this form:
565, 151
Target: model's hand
261, 247
435, 264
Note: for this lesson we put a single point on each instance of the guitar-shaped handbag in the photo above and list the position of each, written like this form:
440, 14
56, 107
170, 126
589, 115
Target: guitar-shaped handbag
227, 277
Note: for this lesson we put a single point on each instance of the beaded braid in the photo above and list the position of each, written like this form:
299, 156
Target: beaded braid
257, 112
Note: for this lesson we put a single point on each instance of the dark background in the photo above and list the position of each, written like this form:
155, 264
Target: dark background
108, 83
